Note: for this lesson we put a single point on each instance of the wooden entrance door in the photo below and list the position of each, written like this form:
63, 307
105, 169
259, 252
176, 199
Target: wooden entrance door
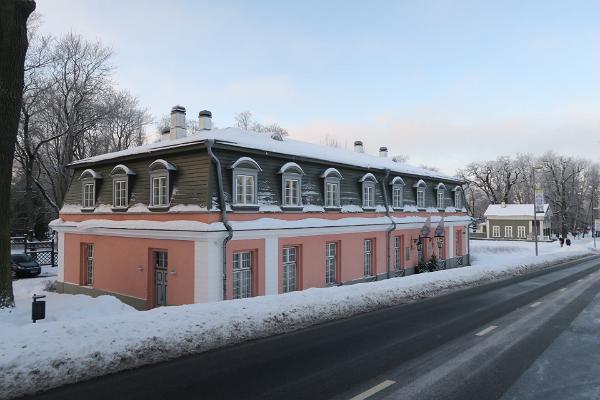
160, 278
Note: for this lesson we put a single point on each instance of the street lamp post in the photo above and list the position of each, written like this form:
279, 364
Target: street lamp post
593, 220
535, 225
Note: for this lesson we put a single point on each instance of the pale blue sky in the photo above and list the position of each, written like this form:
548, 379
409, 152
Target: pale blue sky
446, 82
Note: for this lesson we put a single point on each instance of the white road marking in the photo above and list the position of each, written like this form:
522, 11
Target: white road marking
486, 330
537, 303
563, 289
375, 389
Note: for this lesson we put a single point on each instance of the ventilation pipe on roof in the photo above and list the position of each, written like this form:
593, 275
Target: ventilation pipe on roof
383, 152
178, 129
358, 147
205, 120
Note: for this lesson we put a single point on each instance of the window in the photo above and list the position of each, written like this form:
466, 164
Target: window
441, 194
291, 195
120, 175
495, 231
88, 179
397, 194
368, 195
397, 253
368, 256
407, 254
242, 274
368, 190
89, 194
291, 185
458, 200
421, 198
508, 231
332, 193
160, 189
244, 189
330, 263
420, 187
290, 269
331, 187
245, 173
521, 232
120, 193
89, 264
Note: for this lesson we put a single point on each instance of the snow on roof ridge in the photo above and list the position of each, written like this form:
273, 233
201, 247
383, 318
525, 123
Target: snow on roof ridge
512, 209
262, 141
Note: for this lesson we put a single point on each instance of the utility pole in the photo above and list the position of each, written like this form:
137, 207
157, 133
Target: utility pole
593, 220
535, 227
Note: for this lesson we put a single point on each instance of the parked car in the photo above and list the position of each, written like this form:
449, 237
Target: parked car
24, 265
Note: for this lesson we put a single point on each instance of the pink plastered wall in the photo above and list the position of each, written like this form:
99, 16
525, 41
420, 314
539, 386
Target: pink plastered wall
124, 266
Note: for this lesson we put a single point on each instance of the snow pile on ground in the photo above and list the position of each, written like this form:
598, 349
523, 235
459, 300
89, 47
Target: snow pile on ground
92, 337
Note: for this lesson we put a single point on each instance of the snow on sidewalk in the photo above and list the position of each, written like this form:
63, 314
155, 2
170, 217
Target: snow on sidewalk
84, 337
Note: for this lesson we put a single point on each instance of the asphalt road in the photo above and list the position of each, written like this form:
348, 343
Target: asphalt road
425, 349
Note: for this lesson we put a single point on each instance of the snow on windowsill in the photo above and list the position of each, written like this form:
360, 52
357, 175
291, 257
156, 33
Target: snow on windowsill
351, 208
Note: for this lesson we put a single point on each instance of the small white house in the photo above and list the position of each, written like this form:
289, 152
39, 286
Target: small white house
516, 222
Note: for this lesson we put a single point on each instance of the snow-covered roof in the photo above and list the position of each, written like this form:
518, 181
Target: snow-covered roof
167, 165
368, 176
121, 167
260, 141
91, 173
289, 165
246, 160
397, 181
330, 171
512, 210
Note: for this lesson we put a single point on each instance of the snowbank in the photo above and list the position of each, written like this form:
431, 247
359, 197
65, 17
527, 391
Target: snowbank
107, 336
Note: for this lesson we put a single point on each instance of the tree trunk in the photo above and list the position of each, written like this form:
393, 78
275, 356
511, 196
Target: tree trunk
13, 46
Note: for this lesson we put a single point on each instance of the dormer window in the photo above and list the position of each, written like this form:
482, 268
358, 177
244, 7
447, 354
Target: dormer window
458, 197
368, 190
245, 173
291, 185
331, 182
441, 196
397, 192
88, 179
420, 187
160, 183
120, 175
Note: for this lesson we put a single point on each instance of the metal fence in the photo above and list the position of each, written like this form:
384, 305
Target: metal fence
44, 252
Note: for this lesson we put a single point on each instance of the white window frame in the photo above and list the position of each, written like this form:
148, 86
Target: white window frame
331, 254
420, 197
242, 274
441, 199
89, 264
247, 197
508, 231
335, 201
496, 231
458, 200
368, 257
287, 196
165, 193
119, 193
289, 269
397, 253
521, 232
368, 194
397, 195
87, 202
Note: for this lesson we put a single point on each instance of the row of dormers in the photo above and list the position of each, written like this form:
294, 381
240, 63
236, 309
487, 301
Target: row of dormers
245, 194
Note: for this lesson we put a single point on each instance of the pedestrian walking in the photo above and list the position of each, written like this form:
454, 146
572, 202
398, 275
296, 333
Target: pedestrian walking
562, 241
568, 242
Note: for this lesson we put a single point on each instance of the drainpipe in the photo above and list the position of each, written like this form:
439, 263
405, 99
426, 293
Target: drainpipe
209, 144
387, 213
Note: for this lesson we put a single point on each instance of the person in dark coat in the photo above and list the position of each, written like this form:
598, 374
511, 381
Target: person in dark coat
568, 241
561, 241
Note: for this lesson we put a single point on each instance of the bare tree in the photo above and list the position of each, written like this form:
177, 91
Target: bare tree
13, 47
244, 121
494, 178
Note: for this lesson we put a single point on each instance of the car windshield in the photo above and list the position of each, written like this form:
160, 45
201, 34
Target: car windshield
19, 258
